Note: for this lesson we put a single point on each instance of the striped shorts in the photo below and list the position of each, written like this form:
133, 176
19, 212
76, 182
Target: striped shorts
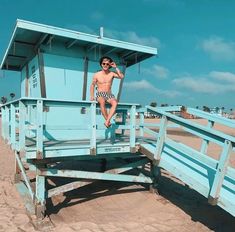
105, 95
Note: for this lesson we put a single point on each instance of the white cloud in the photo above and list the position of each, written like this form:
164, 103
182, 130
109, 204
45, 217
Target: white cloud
138, 85
219, 49
157, 71
129, 36
145, 85
170, 93
195, 84
223, 76
213, 83
132, 36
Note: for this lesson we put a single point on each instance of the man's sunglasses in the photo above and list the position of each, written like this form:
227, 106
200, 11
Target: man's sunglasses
107, 64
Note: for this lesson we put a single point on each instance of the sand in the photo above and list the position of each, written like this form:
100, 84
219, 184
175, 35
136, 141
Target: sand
113, 206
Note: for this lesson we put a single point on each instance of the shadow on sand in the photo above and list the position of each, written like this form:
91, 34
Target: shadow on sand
188, 200
195, 205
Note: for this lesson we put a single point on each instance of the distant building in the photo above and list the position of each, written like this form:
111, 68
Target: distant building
216, 110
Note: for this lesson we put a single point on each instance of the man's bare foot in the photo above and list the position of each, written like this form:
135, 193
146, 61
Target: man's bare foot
107, 124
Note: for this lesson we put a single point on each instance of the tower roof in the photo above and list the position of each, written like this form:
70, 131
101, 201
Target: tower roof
28, 36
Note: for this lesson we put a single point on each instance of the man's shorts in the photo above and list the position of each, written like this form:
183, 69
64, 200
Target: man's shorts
105, 95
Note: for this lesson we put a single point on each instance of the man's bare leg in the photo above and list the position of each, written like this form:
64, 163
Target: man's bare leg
102, 107
112, 111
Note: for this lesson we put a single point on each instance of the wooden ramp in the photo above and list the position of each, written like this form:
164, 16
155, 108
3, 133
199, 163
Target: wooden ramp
212, 178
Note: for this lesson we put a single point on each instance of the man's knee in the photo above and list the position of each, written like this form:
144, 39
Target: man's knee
101, 102
114, 103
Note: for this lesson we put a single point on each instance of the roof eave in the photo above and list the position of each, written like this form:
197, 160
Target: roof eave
75, 35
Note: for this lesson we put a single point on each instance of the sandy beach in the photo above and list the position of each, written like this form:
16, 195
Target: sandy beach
114, 206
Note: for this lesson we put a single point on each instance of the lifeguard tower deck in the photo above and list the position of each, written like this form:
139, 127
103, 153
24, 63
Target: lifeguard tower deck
57, 132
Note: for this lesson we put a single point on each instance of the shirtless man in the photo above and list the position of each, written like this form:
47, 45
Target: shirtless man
104, 79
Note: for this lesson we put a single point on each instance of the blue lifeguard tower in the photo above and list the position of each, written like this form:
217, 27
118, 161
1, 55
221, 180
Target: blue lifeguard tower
59, 132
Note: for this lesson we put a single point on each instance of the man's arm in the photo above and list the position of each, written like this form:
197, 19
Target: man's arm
92, 88
118, 73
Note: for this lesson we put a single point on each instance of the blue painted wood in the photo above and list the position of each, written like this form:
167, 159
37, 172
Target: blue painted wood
24, 193
7, 124
23, 89
220, 172
132, 129
39, 128
129, 166
54, 152
3, 108
205, 143
22, 117
161, 138
157, 125
34, 78
196, 129
69, 77
190, 170
94, 175
93, 129
43, 32
13, 126
141, 124
226, 197
211, 178
212, 117
23, 173
67, 187
40, 193
167, 109
150, 132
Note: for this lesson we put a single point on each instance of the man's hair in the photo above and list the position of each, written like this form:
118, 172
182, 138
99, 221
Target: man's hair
105, 58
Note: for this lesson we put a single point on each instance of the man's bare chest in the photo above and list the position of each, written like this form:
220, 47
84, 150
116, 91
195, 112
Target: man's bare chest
105, 79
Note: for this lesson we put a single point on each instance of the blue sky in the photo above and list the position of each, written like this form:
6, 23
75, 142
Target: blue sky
195, 41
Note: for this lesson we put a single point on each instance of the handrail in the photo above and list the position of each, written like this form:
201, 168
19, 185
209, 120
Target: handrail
194, 128
211, 117
125, 105
42, 105
165, 108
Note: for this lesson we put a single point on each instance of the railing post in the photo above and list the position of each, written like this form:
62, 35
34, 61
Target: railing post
40, 180
124, 117
3, 122
141, 123
13, 126
20, 169
220, 173
40, 194
155, 175
22, 115
205, 143
39, 126
161, 138
7, 124
93, 129
132, 129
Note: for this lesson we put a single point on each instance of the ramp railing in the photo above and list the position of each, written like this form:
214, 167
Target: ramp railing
211, 175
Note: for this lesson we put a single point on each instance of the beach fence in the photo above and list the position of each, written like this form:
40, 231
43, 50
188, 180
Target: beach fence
59, 138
